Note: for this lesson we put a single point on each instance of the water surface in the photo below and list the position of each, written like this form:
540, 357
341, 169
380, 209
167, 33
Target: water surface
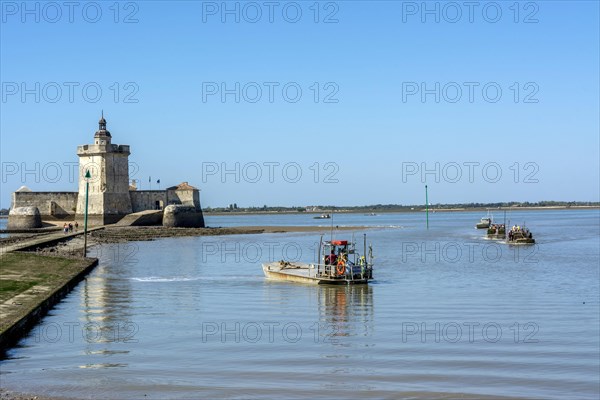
450, 313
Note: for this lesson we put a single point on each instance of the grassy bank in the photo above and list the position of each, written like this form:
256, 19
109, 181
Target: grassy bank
27, 281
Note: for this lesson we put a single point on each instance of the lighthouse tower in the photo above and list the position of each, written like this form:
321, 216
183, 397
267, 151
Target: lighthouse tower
108, 165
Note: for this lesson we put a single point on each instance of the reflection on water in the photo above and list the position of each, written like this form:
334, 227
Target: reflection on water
346, 324
105, 305
195, 318
104, 300
346, 310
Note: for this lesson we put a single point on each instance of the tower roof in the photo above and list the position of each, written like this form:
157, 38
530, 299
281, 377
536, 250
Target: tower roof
102, 131
182, 186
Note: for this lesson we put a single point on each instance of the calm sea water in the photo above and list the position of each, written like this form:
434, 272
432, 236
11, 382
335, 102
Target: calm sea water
3, 223
449, 314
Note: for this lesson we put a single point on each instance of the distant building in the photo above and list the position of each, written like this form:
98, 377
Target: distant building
110, 195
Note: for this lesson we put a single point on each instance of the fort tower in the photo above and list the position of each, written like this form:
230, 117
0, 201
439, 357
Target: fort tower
108, 163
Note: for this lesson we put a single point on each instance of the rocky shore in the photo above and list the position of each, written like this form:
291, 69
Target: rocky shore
72, 245
125, 234
8, 395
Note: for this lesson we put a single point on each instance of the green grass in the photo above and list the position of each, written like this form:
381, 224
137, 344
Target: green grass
8, 288
20, 272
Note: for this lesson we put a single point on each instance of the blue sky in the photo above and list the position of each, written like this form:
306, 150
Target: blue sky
365, 138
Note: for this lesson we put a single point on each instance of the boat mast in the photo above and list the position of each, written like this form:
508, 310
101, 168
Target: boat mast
319, 250
426, 207
331, 238
365, 247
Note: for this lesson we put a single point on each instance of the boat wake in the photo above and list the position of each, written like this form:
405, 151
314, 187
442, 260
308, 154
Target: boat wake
366, 226
225, 278
164, 279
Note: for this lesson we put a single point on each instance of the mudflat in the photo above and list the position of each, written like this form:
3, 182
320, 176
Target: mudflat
124, 234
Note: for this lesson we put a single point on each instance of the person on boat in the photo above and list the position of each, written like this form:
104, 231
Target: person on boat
350, 266
331, 258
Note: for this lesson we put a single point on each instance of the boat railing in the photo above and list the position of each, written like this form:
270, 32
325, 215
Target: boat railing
349, 271
340, 260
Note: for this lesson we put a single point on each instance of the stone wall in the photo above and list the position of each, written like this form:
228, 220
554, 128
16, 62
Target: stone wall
180, 216
62, 205
142, 200
184, 197
50, 204
24, 218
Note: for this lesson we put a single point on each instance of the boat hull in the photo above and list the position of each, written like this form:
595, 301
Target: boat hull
303, 273
521, 241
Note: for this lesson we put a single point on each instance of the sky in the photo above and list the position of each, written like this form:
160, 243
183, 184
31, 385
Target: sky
305, 103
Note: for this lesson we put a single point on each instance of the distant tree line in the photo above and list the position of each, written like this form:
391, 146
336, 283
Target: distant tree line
399, 207
389, 207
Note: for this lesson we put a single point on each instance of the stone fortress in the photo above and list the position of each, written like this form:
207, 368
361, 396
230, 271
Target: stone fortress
111, 198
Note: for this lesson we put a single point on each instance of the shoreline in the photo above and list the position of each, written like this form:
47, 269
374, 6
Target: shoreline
11, 395
401, 211
370, 210
52, 226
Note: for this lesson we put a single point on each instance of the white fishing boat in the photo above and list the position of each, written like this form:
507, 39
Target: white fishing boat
485, 222
339, 264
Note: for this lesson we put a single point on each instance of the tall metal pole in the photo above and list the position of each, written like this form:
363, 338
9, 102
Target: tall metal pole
85, 218
365, 265
331, 239
319, 256
505, 231
427, 206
